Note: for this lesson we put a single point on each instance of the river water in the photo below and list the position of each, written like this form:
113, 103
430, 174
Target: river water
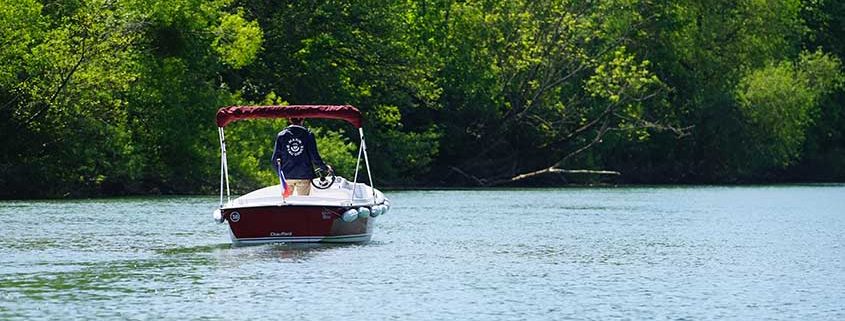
678, 253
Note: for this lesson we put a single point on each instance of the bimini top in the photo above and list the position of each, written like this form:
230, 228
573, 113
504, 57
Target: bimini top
348, 113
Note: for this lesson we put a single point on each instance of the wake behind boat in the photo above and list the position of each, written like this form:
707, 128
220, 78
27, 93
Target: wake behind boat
337, 210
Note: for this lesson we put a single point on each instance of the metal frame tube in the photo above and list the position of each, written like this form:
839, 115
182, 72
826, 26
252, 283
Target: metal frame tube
367, 162
225, 166
222, 163
357, 166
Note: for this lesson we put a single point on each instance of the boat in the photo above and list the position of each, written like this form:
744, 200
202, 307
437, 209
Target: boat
336, 211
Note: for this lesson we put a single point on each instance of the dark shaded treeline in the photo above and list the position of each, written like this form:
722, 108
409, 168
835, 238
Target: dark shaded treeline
118, 97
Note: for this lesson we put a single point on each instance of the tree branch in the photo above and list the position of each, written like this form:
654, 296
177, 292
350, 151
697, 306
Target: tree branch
555, 167
597, 139
477, 180
554, 170
680, 132
62, 86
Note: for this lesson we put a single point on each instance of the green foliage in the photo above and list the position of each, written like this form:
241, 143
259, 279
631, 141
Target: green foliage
346, 52
115, 97
521, 78
622, 76
701, 50
825, 147
337, 151
237, 40
22, 25
780, 102
249, 146
103, 97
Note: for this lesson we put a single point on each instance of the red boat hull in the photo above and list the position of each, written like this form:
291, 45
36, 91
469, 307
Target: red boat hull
271, 224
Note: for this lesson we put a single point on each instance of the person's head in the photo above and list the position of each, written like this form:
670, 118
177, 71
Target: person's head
295, 121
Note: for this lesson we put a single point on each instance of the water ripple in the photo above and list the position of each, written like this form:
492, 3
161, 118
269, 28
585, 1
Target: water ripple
551, 254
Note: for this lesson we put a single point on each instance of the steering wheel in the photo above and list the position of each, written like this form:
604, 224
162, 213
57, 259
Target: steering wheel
324, 179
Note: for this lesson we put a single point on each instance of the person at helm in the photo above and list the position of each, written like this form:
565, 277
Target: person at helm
296, 151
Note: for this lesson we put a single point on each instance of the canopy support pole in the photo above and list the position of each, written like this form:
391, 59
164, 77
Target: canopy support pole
224, 167
357, 166
367, 162
220, 138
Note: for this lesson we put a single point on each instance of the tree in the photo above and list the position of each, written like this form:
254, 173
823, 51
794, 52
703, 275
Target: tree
824, 151
348, 52
531, 84
93, 93
701, 50
780, 102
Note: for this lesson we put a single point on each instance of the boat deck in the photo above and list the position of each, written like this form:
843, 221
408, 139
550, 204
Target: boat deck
339, 194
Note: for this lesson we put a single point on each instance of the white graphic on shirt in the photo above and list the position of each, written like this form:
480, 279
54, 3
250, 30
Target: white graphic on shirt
295, 147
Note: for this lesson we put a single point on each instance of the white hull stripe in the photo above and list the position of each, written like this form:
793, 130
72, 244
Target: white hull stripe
341, 238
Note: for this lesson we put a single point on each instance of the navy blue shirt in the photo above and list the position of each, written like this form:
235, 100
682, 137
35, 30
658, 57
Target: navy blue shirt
297, 148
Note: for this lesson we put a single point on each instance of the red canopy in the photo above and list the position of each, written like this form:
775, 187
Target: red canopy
348, 113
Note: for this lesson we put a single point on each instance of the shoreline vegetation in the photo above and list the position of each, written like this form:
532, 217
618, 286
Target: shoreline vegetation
102, 97
448, 188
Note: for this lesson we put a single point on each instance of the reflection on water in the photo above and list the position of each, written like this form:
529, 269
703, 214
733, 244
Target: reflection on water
189, 250
549, 254
278, 252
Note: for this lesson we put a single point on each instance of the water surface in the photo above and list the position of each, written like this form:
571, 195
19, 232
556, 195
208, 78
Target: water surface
687, 253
